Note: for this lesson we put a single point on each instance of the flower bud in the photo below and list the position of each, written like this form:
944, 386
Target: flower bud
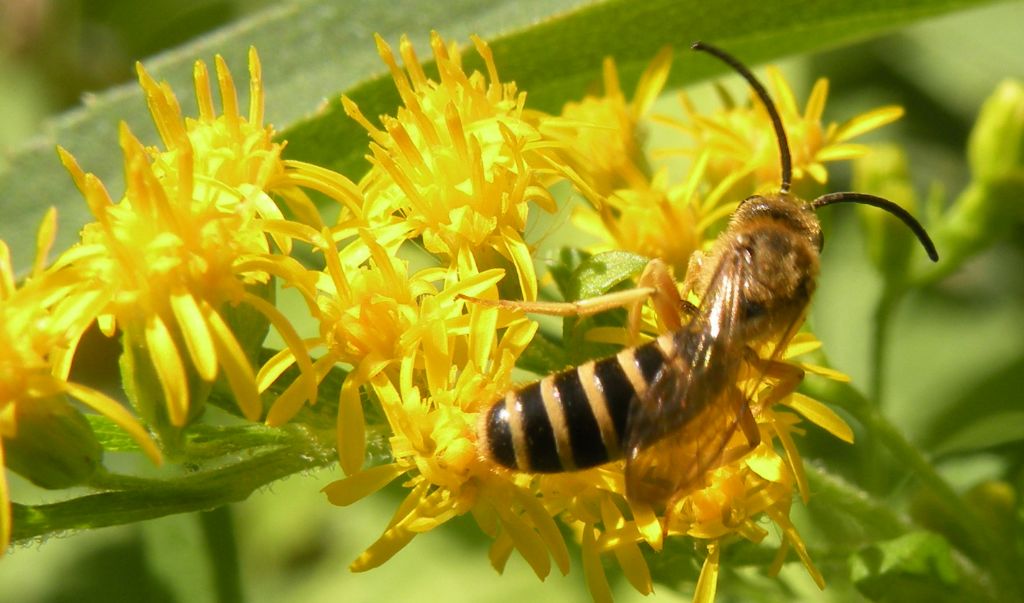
996, 147
884, 172
52, 444
994, 200
145, 391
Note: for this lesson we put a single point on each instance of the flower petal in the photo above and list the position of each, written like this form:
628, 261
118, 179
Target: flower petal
346, 491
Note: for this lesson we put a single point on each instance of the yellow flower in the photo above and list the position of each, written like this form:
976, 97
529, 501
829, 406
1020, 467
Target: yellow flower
741, 142
433, 420
631, 208
375, 317
39, 323
658, 220
458, 163
171, 262
603, 135
235, 153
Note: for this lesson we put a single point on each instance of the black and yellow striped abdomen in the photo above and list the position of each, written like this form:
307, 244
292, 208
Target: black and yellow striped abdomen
574, 419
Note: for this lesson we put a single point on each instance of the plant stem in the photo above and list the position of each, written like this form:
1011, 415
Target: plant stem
977, 542
219, 531
129, 499
874, 467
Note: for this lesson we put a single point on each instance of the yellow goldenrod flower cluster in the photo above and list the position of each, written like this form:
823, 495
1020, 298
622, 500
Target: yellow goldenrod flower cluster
184, 266
433, 416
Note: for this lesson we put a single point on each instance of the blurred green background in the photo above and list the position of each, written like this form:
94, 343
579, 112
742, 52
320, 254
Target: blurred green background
955, 366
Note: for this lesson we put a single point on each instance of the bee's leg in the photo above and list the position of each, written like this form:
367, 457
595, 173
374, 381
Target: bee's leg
694, 273
749, 425
668, 304
788, 378
583, 307
655, 282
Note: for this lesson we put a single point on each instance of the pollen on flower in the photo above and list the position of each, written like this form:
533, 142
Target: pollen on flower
459, 163
184, 262
604, 134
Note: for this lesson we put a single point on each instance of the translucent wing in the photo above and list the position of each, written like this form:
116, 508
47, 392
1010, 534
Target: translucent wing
678, 429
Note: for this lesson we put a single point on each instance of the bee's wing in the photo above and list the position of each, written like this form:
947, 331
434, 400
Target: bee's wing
678, 429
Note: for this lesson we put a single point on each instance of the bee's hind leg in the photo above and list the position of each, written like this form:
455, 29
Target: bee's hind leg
787, 378
655, 282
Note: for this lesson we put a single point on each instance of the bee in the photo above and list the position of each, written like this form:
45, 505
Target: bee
671, 406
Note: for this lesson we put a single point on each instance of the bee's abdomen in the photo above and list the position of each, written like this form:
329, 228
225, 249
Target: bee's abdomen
570, 420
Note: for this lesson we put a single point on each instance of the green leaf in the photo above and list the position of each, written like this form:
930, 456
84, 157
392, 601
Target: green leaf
914, 567
603, 272
313, 51
543, 356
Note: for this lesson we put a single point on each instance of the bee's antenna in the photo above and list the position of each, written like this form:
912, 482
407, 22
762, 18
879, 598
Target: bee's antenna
773, 113
888, 206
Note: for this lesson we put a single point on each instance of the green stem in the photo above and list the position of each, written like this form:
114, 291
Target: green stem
129, 499
219, 532
975, 539
874, 467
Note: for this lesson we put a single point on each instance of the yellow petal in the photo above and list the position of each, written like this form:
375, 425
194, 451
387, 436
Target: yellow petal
649, 525
362, 484
796, 463
163, 353
292, 340
768, 467
501, 549
197, 337
841, 152
351, 428
236, 366
802, 343
821, 415
707, 584
272, 368
593, 571
44, 239
255, 88
483, 330
390, 542
117, 413
627, 553
826, 372
816, 102
527, 542
868, 121
652, 81
793, 537
548, 531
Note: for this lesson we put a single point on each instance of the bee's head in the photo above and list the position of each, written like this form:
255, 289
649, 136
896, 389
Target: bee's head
785, 208
780, 210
